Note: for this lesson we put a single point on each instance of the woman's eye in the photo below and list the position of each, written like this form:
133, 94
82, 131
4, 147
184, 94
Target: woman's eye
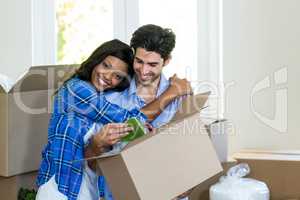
105, 65
118, 77
139, 61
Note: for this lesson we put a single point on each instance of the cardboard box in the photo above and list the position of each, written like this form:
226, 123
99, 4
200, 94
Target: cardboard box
10, 186
24, 115
163, 165
201, 191
280, 170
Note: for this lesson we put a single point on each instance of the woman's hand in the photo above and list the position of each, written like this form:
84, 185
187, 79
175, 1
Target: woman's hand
180, 87
109, 135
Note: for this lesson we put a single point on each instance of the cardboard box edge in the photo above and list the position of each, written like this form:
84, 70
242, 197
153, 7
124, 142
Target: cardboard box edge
4, 135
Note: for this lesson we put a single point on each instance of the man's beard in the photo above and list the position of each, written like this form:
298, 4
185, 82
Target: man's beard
148, 82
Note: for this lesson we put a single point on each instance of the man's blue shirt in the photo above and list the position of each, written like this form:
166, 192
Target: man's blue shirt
129, 99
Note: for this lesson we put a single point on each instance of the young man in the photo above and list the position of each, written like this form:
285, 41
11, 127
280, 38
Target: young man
153, 46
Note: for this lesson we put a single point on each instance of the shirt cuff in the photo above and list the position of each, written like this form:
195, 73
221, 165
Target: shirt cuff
141, 116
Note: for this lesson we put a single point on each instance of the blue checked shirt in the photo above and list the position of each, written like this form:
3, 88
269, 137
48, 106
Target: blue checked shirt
77, 106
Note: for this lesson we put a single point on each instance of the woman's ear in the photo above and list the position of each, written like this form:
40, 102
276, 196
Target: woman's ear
167, 61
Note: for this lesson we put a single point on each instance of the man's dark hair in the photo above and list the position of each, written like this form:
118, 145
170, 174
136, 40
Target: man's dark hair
154, 38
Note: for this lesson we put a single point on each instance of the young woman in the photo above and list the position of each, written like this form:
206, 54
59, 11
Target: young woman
78, 104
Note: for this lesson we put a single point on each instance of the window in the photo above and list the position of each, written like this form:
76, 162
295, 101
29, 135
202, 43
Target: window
197, 54
81, 27
181, 17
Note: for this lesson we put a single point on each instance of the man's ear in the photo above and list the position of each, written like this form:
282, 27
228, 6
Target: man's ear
167, 61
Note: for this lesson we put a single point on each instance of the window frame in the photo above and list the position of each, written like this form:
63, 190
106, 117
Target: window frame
126, 20
43, 35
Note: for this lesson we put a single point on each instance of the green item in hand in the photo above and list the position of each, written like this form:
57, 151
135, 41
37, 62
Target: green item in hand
26, 194
138, 130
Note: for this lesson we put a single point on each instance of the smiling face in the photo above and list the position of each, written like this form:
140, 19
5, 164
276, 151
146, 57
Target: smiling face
148, 66
109, 73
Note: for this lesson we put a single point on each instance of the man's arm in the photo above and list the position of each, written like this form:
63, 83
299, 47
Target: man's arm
178, 87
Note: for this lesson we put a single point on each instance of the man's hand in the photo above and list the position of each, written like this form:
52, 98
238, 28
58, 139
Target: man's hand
150, 128
179, 86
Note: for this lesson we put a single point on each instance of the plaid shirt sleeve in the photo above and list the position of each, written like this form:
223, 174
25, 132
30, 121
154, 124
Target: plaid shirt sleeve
76, 103
82, 98
65, 146
68, 146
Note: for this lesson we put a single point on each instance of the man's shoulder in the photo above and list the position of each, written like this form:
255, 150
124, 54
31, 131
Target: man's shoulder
164, 80
119, 98
116, 94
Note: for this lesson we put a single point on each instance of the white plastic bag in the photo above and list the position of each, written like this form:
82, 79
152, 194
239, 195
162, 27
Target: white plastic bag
234, 187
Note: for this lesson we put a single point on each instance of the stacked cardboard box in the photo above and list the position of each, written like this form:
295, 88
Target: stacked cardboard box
10, 186
24, 114
280, 170
201, 191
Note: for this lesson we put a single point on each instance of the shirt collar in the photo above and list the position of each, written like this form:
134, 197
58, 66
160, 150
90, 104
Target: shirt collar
132, 87
163, 85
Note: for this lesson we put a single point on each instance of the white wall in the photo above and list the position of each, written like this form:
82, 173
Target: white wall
27, 35
260, 38
15, 37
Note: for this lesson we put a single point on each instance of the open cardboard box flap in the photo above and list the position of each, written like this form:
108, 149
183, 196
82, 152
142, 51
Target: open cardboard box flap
26, 102
288, 155
163, 165
37, 78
